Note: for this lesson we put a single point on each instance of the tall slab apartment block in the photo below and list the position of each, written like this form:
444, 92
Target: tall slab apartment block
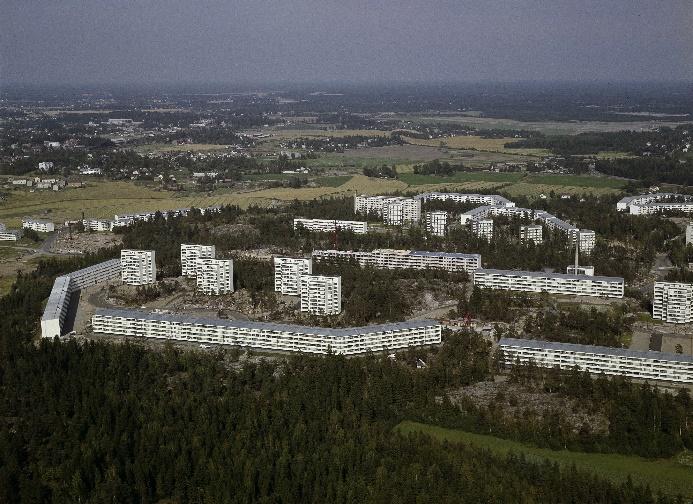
189, 255
138, 267
287, 274
321, 295
673, 302
215, 276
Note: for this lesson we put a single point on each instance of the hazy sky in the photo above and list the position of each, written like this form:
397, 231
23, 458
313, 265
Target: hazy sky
105, 41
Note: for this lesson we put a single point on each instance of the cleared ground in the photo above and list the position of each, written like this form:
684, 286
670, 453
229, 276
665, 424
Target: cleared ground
670, 476
143, 149
478, 143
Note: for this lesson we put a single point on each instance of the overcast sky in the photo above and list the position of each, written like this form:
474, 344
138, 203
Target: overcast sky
109, 41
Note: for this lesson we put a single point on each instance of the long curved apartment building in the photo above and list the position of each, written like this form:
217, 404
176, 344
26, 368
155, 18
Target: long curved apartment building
553, 283
598, 359
404, 259
268, 336
653, 203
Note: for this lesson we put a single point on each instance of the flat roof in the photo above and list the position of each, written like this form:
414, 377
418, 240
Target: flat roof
271, 326
541, 274
594, 349
456, 255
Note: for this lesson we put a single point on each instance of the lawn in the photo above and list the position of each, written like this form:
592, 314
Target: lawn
667, 475
576, 181
478, 143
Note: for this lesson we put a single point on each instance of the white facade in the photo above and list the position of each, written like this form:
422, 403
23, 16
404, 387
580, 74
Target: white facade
189, 255
597, 359
40, 226
215, 276
653, 203
689, 233
483, 228
405, 259
437, 222
10, 235
329, 225
673, 302
97, 225
63, 287
532, 233
138, 267
553, 283
45, 166
268, 336
481, 199
580, 270
395, 210
2, 227
287, 274
321, 295
586, 240
487, 211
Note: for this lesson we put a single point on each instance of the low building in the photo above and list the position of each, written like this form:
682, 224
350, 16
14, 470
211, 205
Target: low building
190, 254
97, 225
481, 199
45, 166
321, 295
552, 283
532, 233
288, 272
41, 226
483, 228
215, 276
646, 204
138, 267
580, 270
330, 225
597, 359
10, 235
673, 302
436, 222
268, 336
404, 259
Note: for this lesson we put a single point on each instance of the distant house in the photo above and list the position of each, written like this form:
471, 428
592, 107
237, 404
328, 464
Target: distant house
45, 166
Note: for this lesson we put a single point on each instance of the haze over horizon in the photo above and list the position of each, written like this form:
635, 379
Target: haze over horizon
309, 40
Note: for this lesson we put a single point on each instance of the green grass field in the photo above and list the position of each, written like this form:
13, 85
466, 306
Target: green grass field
667, 475
460, 177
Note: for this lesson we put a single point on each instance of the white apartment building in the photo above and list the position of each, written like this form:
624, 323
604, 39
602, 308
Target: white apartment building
329, 225
45, 166
437, 222
652, 203
2, 227
553, 283
9, 235
597, 359
395, 210
488, 211
59, 299
288, 272
580, 270
404, 259
586, 240
483, 228
215, 276
268, 336
555, 224
689, 233
97, 225
41, 226
481, 199
532, 233
673, 302
138, 267
321, 295
190, 254
401, 211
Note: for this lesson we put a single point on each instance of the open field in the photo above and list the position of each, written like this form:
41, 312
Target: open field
105, 199
546, 127
478, 143
290, 134
667, 475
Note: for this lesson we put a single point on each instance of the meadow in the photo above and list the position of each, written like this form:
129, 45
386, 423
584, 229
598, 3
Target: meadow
667, 475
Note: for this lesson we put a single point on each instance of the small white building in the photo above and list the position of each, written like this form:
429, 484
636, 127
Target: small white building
580, 270
288, 272
483, 228
191, 253
10, 235
321, 295
532, 233
437, 222
215, 276
45, 166
41, 226
673, 302
689, 233
138, 267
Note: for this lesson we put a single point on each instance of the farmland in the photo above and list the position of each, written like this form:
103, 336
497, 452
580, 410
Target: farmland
666, 475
